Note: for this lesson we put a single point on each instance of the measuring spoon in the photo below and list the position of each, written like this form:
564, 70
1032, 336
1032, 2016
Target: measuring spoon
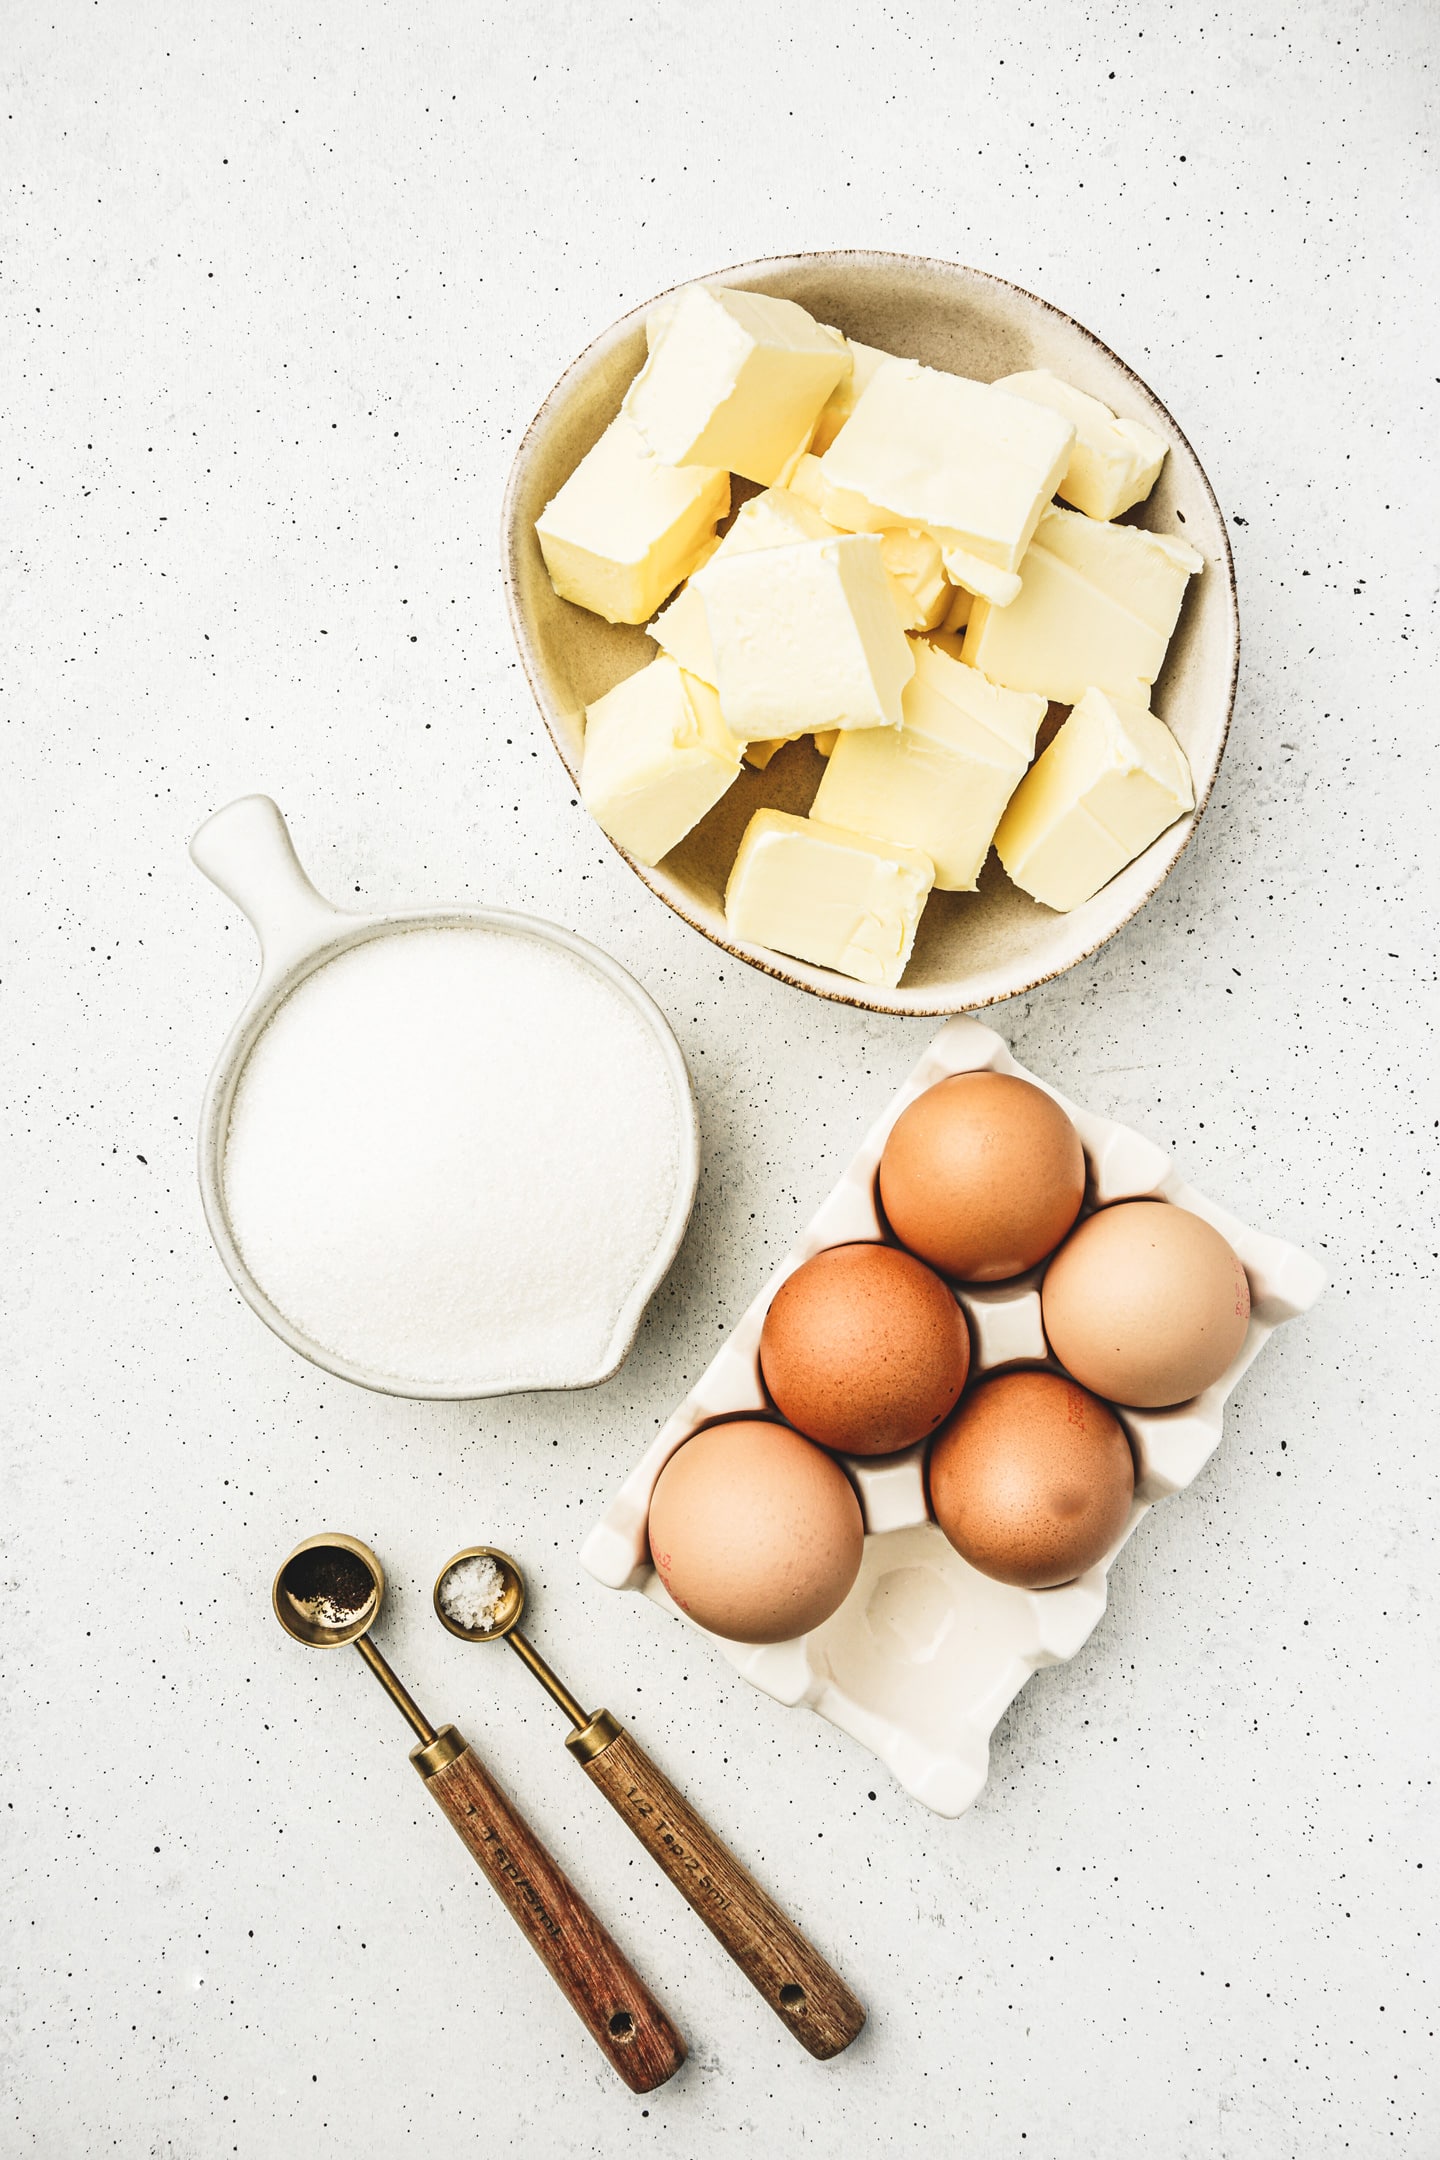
323, 1599
805, 1992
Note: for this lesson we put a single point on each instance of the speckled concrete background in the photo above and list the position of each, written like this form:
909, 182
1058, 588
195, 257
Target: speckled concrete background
282, 294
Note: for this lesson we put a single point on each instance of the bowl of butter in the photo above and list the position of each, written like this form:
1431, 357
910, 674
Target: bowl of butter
884, 619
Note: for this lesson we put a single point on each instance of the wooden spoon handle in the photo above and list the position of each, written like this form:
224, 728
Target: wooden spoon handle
583, 1957
800, 1987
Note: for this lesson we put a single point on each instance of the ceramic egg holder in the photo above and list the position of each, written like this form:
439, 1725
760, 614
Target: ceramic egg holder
926, 1653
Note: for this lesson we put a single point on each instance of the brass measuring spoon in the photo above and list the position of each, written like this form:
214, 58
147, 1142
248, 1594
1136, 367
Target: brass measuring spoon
800, 1987
329, 1592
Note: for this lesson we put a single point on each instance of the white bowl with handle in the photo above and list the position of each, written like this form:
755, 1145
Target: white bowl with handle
247, 851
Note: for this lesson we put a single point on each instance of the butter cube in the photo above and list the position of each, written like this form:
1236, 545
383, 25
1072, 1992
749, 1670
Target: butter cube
865, 361
1097, 606
682, 631
735, 379
806, 638
913, 560
659, 316
809, 483
840, 507
941, 781
778, 518
625, 529
775, 519
1111, 782
657, 756
959, 614
918, 584
954, 458
981, 579
1113, 463
834, 898
759, 754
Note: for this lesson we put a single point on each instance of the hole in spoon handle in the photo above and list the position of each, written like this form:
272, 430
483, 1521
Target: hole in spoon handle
805, 1992
581, 1955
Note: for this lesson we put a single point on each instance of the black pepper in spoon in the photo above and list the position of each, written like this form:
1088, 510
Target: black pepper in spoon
331, 1582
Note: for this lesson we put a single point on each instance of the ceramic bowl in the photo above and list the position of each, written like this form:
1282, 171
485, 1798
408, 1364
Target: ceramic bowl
973, 948
247, 851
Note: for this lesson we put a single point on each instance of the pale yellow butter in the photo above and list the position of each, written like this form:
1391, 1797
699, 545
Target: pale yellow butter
981, 579
625, 529
955, 458
682, 631
1097, 606
1113, 463
660, 315
918, 584
1111, 782
865, 361
807, 480
941, 781
759, 754
657, 756
913, 561
735, 379
959, 612
834, 898
775, 519
806, 638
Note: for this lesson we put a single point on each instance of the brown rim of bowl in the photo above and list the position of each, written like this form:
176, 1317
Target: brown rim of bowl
641, 870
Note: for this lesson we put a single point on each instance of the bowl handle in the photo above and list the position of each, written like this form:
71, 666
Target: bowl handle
247, 851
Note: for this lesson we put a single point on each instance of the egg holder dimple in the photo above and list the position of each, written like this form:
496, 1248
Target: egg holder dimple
925, 1654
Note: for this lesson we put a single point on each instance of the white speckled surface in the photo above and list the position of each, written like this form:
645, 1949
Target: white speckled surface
282, 295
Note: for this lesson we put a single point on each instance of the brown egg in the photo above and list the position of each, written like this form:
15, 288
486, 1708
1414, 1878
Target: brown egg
864, 1349
1146, 1304
756, 1533
982, 1176
1031, 1480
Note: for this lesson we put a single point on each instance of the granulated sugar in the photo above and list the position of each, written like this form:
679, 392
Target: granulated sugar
451, 1154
